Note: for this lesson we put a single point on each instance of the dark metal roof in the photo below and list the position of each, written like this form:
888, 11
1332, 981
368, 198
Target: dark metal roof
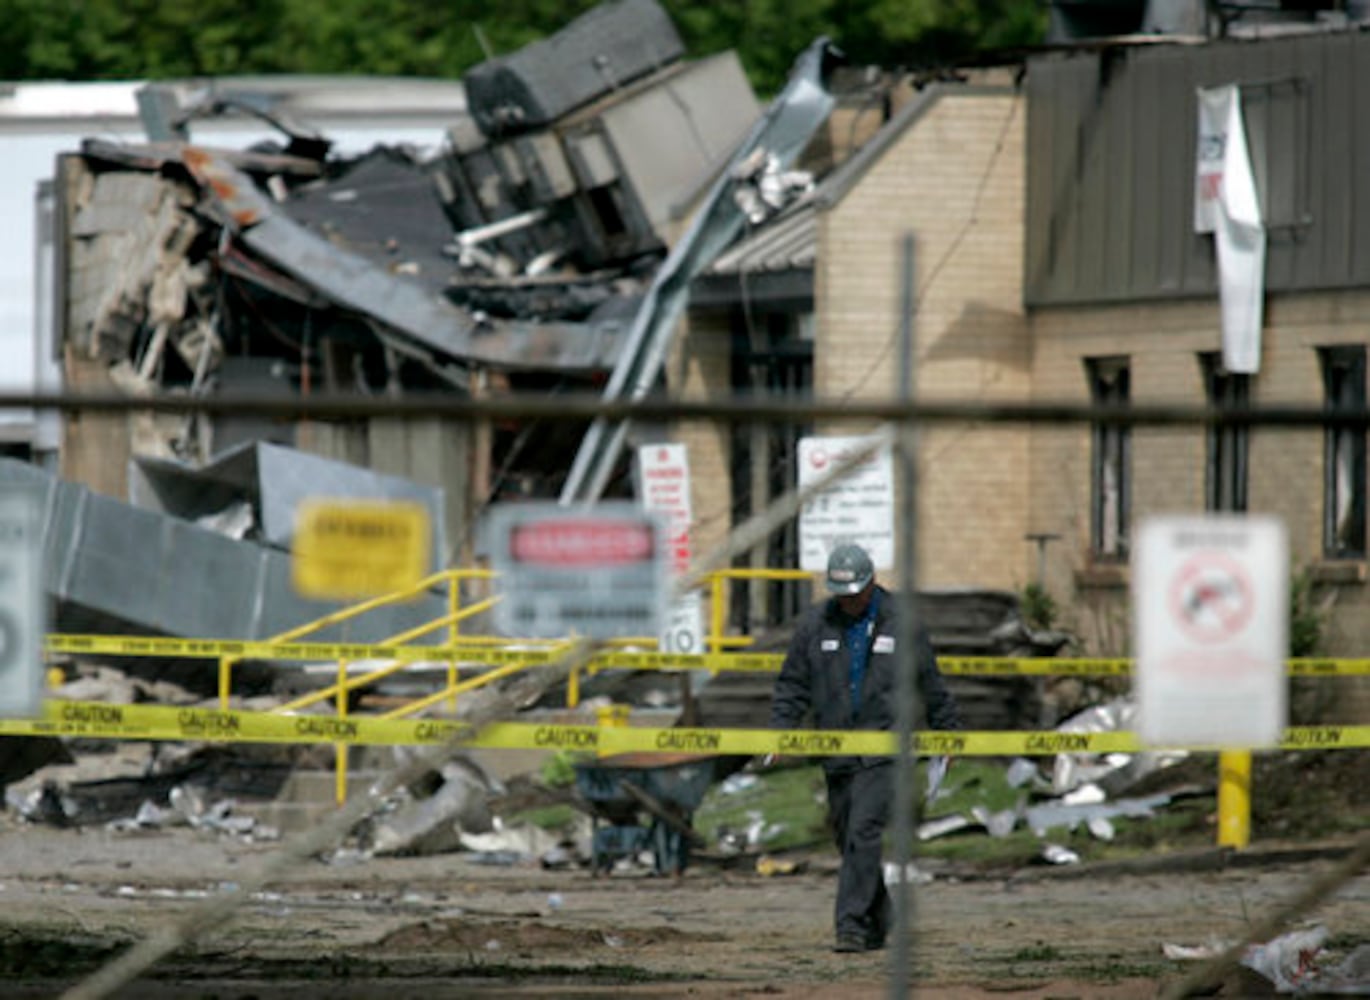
786, 242
1110, 166
775, 260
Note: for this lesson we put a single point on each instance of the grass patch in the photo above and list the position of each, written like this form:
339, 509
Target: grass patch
552, 818
789, 806
1039, 952
790, 803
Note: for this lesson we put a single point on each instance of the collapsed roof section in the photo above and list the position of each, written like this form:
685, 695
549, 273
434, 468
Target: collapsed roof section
524, 246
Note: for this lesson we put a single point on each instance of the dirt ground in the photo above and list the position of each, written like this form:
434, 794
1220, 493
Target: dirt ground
445, 926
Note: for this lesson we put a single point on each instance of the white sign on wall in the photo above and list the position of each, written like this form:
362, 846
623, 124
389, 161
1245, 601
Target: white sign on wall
21, 601
1211, 616
664, 477
857, 508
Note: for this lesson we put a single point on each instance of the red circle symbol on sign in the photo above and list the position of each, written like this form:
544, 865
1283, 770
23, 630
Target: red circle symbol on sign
1211, 597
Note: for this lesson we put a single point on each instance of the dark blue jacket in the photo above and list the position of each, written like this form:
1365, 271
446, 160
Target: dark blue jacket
815, 677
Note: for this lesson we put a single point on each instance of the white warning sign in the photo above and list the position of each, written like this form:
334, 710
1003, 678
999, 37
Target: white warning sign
1210, 610
857, 508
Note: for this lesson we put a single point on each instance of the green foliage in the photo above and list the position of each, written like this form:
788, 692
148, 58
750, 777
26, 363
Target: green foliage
1038, 607
123, 39
1305, 617
553, 818
558, 770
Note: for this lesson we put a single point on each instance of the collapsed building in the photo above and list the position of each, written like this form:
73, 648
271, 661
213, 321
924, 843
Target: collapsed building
513, 259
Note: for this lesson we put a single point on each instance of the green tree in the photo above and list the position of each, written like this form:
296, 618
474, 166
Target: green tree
122, 39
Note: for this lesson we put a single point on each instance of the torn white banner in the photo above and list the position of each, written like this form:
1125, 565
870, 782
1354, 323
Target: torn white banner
1226, 204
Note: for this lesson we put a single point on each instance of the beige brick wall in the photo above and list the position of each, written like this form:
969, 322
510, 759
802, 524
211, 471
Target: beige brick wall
1286, 466
955, 180
699, 369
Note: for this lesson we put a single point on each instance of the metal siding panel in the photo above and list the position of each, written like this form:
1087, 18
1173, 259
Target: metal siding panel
1330, 174
1092, 216
1147, 153
1359, 208
1278, 163
1068, 199
1040, 166
710, 102
1120, 190
1187, 267
1309, 152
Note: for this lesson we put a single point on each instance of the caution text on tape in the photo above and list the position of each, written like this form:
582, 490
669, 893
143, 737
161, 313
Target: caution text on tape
164, 722
474, 653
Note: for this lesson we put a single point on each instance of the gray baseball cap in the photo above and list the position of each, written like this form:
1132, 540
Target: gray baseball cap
849, 569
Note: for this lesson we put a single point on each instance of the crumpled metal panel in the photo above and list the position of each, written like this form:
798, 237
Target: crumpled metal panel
147, 573
275, 479
405, 306
601, 51
783, 132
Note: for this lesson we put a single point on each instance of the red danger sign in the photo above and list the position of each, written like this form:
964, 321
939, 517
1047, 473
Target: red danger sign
599, 572
582, 542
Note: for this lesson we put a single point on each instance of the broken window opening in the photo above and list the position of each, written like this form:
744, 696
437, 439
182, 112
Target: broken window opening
529, 456
771, 359
608, 212
1110, 384
1225, 476
1343, 379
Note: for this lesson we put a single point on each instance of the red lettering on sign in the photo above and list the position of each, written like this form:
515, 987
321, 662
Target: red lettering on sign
582, 543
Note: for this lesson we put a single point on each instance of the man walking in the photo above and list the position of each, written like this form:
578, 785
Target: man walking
840, 667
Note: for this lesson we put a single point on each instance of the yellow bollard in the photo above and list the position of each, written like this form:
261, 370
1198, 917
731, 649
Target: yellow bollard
1234, 798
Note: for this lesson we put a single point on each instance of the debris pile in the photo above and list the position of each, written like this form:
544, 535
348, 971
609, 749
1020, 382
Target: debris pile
1299, 962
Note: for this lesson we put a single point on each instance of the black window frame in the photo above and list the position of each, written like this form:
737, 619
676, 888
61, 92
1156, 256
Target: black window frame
1228, 460
1110, 384
1344, 388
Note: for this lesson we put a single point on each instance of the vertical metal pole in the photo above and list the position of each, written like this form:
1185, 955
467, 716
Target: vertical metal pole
340, 749
453, 633
906, 686
1234, 798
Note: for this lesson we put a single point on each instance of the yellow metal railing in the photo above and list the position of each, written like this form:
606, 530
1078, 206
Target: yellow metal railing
452, 577
344, 685
340, 691
718, 582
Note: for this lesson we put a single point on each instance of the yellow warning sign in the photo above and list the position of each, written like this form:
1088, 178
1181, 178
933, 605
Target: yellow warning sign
346, 549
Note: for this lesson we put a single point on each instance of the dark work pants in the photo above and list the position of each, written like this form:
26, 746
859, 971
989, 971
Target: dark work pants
859, 807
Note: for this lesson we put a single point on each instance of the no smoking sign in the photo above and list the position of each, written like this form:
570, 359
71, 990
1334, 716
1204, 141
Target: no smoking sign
1210, 613
1211, 597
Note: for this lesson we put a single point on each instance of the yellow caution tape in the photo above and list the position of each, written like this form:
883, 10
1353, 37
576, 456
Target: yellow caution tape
1318, 667
477, 653
1034, 665
166, 722
474, 653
